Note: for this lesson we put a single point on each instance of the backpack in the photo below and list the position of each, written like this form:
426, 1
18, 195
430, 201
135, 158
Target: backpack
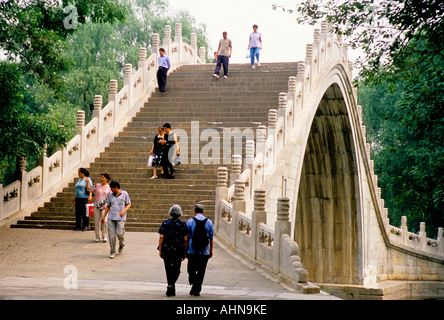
200, 238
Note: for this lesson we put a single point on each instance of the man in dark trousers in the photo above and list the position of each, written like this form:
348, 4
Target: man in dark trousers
198, 254
164, 66
169, 142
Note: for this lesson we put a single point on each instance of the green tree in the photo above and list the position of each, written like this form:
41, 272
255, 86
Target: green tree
32, 38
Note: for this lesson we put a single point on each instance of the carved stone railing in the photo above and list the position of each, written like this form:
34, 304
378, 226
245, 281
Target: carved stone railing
32, 188
249, 234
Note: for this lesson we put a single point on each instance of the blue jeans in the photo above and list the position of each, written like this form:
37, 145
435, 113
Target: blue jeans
254, 51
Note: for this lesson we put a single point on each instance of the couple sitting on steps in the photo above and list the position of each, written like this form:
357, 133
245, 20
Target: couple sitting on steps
161, 154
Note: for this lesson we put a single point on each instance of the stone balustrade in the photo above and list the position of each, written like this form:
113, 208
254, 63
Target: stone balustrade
23, 196
249, 229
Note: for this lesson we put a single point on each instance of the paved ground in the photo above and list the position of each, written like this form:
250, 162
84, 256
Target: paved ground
44, 264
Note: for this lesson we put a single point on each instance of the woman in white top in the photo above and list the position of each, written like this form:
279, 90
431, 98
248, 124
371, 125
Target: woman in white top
101, 192
255, 46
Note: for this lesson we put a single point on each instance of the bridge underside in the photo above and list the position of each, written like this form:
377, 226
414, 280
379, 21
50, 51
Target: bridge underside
327, 215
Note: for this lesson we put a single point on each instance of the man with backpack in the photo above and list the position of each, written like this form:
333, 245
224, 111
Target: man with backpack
200, 248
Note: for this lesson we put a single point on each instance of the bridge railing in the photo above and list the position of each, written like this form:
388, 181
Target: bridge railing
237, 219
31, 189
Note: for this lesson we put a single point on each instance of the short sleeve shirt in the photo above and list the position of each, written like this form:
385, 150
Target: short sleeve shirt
225, 45
174, 231
191, 224
255, 40
117, 205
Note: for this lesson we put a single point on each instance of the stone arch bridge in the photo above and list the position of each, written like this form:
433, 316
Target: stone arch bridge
299, 198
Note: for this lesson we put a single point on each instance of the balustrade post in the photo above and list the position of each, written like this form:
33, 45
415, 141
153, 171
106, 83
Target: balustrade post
203, 54
281, 226
97, 113
127, 82
291, 96
249, 164
439, 239
143, 65
22, 176
155, 48
422, 236
259, 215
112, 97
221, 192
272, 121
43, 160
80, 130
282, 112
261, 137
404, 230
193, 45
239, 205
178, 40
236, 168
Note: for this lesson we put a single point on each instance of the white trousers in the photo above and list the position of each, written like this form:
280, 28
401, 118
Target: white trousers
98, 225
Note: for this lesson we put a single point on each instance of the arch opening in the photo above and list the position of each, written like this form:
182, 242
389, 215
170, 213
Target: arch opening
328, 205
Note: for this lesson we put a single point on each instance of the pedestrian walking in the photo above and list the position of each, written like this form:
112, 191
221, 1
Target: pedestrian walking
255, 46
101, 192
173, 246
200, 248
223, 55
164, 66
117, 208
81, 199
157, 152
169, 144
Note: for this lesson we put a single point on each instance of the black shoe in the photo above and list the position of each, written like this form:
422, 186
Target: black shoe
171, 291
194, 292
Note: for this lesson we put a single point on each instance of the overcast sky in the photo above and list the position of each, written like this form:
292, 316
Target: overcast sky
282, 38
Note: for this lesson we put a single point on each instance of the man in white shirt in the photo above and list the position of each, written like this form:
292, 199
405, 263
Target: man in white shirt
223, 55
118, 205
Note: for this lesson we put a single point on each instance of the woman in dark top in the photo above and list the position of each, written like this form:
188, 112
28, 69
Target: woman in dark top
157, 152
173, 246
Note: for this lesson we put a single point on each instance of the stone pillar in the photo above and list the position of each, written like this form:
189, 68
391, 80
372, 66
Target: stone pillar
203, 54
22, 176
282, 112
282, 226
259, 215
43, 161
439, 239
221, 192
127, 82
404, 230
155, 48
249, 164
167, 39
112, 97
239, 205
80, 129
422, 236
97, 113
178, 40
272, 121
193, 45
291, 96
236, 168
142, 57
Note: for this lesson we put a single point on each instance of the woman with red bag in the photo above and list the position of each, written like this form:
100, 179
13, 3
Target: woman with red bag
101, 192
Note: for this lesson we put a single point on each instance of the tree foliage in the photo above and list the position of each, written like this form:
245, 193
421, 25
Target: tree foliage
58, 55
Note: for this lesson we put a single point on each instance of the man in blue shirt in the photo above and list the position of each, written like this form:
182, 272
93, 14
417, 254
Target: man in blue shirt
164, 66
198, 259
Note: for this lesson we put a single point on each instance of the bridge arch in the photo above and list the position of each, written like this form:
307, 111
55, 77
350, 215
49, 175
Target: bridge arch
327, 217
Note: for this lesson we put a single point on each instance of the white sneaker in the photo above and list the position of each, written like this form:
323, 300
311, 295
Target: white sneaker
112, 255
97, 239
216, 75
258, 64
105, 239
226, 77
153, 177
253, 67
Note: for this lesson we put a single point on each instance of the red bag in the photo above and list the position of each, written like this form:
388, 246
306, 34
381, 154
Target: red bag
90, 209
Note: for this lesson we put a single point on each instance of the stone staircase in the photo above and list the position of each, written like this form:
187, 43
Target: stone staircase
242, 101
